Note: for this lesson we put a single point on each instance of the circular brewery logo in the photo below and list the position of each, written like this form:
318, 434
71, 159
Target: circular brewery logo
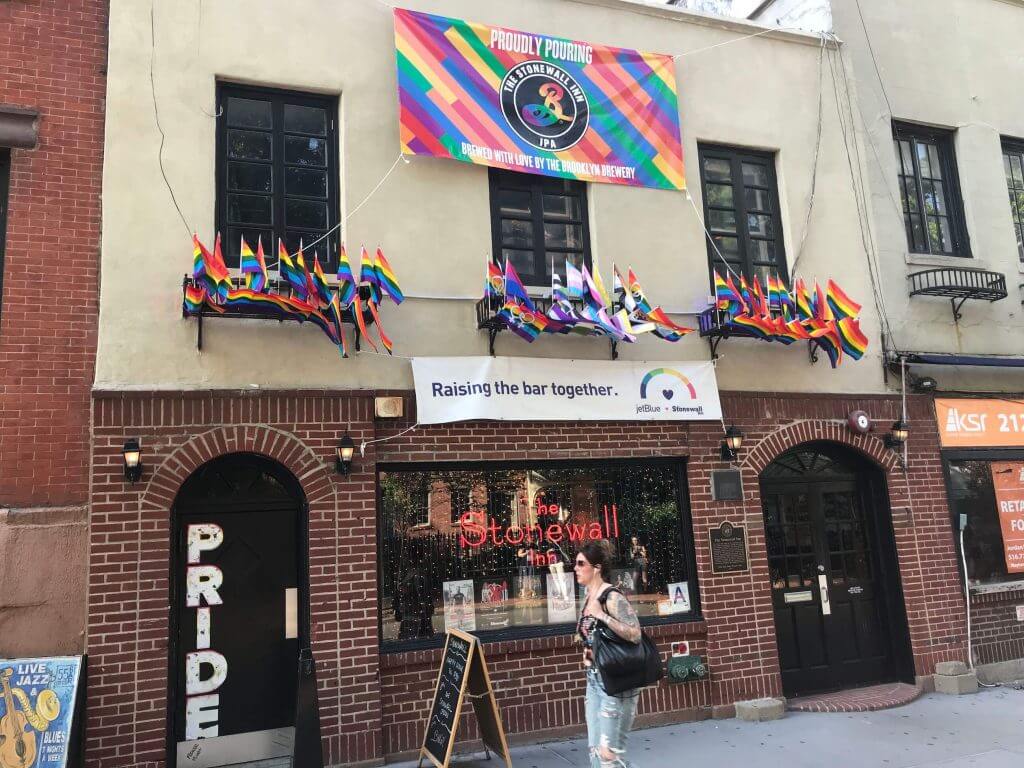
544, 105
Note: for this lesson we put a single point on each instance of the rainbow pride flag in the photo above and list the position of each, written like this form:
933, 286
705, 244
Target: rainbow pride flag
536, 104
386, 279
348, 283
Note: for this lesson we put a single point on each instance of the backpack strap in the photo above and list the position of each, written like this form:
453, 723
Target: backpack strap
602, 599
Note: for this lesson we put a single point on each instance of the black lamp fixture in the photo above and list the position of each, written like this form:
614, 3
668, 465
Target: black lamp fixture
897, 435
731, 444
346, 448
132, 453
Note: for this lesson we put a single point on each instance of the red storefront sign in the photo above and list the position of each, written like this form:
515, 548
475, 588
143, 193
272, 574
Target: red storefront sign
1008, 480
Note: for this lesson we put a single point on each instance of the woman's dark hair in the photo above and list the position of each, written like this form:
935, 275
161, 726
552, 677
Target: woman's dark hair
598, 554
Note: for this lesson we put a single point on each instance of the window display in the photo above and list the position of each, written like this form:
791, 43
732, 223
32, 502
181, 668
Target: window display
991, 494
494, 553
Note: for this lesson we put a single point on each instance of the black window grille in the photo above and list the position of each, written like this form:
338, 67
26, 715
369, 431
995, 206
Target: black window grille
277, 172
5, 178
537, 222
1013, 166
741, 211
930, 191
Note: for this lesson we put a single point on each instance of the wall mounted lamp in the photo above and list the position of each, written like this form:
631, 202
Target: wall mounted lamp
923, 384
732, 443
132, 453
897, 435
346, 448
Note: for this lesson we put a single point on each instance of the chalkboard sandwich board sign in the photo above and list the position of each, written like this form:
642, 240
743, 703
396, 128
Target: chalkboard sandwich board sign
463, 674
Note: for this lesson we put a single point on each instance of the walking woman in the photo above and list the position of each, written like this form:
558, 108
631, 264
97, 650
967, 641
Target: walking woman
609, 717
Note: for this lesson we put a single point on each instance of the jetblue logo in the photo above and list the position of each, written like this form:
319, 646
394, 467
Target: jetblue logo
967, 422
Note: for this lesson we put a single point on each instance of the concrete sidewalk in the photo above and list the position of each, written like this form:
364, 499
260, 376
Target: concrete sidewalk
983, 730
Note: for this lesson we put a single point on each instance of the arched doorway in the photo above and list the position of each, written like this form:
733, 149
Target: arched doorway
239, 612
840, 620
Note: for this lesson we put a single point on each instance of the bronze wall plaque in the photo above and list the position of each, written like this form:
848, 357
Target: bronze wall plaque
728, 548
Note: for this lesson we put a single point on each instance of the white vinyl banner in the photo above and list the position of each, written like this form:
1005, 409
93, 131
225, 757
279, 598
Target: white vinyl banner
538, 389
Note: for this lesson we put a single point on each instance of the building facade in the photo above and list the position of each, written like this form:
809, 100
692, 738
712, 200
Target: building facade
246, 540
52, 81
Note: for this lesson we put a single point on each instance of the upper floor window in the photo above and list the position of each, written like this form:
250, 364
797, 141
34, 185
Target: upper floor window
932, 209
741, 211
1013, 166
537, 222
277, 172
5, 177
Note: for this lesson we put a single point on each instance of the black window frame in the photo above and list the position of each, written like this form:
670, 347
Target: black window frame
735, 156
678, 464
278, 98
942, 139
1011, 146
5, 201
538, 186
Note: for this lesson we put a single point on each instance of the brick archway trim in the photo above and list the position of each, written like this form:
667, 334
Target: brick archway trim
781, 440
313, 475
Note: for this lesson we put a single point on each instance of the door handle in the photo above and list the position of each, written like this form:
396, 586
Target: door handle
291, 613
826, 606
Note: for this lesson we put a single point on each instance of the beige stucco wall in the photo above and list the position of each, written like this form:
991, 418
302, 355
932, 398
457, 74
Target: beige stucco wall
956, 64
432, 216
42, 581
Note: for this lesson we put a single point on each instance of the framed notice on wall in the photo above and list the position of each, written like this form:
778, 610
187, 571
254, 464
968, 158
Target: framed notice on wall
1008, 481
39, 712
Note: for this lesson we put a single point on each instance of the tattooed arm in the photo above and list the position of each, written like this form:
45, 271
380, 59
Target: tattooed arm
621, 618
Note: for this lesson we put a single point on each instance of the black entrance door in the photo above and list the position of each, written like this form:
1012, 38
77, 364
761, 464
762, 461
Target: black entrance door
237, 595
828, 584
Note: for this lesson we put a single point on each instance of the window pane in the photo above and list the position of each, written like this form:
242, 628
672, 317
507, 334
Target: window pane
722, 220
563, 235
719, 195
516, 234
561, 205
909, 189
762, 251
973, 494
934, 198
755, 174
247, 113
508, 563
757, 199
1006, 171
305, 213
305, 181
250, 177
933, 161
249, 209
294, 239
233, 243
922, 159
305, 151
1018, 176
717, 169
906, 158
729, 247
521, 260
514, 200
920, 242
249, 145
299, 119
759, 224
938, 234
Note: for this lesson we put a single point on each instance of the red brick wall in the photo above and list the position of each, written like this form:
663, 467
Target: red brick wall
52, 58
996, 632
538, 681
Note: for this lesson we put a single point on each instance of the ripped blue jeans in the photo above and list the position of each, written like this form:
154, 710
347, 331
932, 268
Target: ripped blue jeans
609, 719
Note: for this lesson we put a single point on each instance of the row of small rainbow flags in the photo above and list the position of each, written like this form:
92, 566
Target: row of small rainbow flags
311, 297
581, 305
828, 317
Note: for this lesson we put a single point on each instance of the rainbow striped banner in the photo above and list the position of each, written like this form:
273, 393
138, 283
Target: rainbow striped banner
536, 104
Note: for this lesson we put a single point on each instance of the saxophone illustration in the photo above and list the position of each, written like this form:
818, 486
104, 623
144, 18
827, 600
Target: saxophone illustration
47, 708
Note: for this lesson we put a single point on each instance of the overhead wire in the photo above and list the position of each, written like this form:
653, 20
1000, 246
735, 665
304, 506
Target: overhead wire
814, 164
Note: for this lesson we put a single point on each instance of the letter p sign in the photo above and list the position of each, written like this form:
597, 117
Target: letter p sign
202, 538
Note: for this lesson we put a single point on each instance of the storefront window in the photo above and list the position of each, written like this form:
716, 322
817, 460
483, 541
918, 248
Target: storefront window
495, 552
991, 494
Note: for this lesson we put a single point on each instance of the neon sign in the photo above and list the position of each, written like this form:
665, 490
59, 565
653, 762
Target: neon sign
478, 529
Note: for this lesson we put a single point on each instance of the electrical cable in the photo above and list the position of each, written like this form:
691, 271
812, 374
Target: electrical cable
814, 164
708, 235
364, 443
874, 60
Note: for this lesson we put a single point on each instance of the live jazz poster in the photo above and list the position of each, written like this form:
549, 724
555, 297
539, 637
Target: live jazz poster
537, 104
36, 710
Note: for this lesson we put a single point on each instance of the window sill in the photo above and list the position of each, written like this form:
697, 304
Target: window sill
929, 260
505, 642
998, 587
